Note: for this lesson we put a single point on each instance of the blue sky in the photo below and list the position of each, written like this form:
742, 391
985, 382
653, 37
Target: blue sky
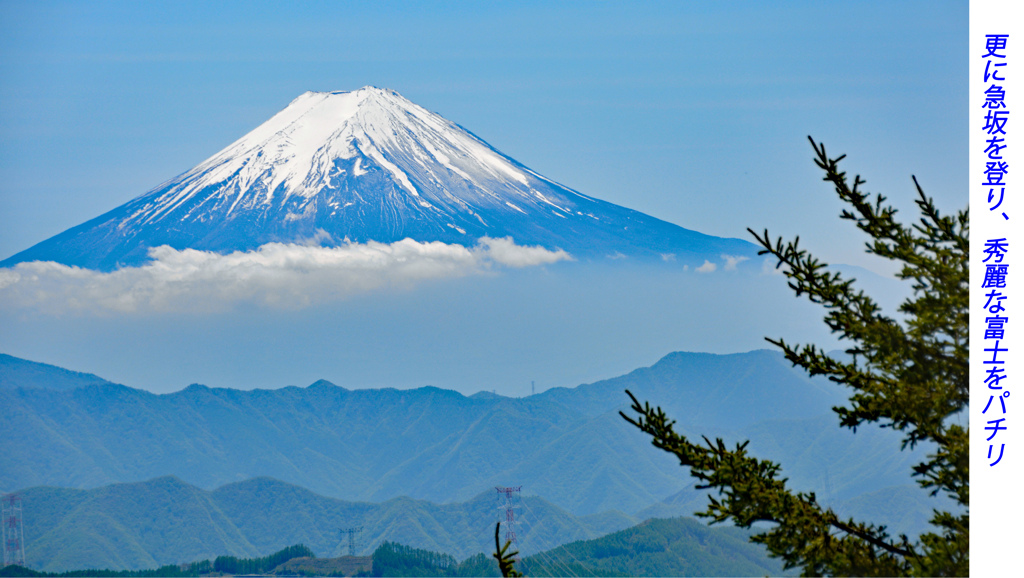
695, 113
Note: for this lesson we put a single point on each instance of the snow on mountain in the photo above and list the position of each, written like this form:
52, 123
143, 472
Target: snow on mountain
367, 165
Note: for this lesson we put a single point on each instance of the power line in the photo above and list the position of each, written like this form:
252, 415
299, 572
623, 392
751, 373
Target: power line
564, 547
552, 561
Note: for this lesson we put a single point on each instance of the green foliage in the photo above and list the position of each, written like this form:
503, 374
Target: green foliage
391, 559
233, 565
223, 564
478, 565
14, 570
910, 376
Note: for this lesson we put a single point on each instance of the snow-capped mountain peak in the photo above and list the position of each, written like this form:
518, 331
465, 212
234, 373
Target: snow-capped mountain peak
362, 165
322, 138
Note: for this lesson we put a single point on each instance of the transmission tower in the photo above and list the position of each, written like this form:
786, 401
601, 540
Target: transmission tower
508, 498
352, 533
13, 530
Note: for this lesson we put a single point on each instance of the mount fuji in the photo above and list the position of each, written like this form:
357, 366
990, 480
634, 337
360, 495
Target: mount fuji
368, 165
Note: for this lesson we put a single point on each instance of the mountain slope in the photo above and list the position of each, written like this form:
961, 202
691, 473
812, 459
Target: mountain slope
663, 547
659, 547
363, 444
361, 166
569, 446
714, 392
16, 372
166, 521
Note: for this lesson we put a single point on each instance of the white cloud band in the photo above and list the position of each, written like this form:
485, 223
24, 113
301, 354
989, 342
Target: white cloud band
287, 276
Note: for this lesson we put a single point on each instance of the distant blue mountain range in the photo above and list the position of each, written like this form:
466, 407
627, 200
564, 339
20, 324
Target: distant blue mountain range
568, 445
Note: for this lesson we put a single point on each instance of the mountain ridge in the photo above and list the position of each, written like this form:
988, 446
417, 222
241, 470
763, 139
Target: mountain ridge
16, 372
568, 445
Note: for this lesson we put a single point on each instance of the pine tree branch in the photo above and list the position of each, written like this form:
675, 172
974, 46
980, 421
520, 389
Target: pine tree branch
910, 375
867, 537
750, 492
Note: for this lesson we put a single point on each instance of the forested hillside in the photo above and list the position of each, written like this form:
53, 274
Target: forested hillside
166, 521
659, 547
567, 445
